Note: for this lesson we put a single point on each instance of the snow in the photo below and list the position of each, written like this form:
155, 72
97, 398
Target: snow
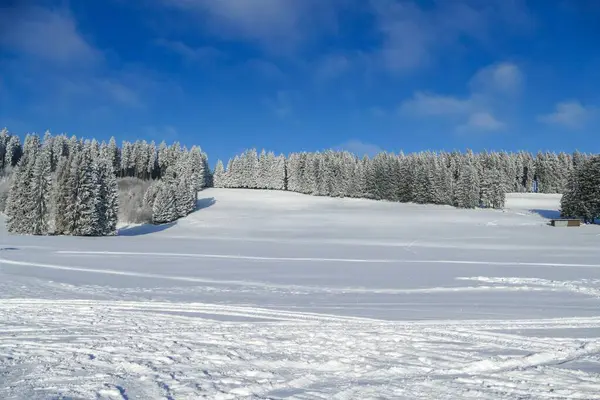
275, 295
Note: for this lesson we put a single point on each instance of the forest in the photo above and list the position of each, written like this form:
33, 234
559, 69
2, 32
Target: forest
71, 186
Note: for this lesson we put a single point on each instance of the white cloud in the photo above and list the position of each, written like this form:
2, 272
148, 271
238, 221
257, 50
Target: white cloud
570, 114
500, 78
359, 148
481, 121
477, 109
427, 104
50, 35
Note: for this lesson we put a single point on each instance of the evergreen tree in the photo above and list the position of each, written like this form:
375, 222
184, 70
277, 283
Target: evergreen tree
108, 197
219, 175
150, 195
185, 196
40, 191
83, 215
165, 207
467, 187
61, 195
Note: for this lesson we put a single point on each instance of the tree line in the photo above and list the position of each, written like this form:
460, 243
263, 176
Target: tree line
464, 180
68, 186
79, 178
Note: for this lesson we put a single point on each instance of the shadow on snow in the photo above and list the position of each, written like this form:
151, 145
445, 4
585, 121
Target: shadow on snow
548, 214
145, 229
205, 203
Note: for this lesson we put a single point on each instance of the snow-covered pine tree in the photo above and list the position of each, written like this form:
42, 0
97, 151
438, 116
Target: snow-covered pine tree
572, 203
164, 209
61, 195
4, 137
196, 168
114, 155
108, 197
40, 191
13, 151
589, 188
82, 213
16, 203
163, 157
185, 196
422, 180
21, 201
405, 184
229, 181
219, 175
94, 149
152, 168
467, 190
150, 195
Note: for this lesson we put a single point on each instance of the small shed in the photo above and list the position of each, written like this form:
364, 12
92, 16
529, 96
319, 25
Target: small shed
565, 222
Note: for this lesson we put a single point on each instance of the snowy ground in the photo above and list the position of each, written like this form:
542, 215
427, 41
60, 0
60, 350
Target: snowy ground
278, 295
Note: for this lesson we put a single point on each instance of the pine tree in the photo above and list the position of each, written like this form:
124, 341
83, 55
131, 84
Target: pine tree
165, 208
83, 212
185, 196
61, 195
582, 197
21, 202
467, 187
219, 175
150, 195
40, 191
108, 197
16, 205
114, 155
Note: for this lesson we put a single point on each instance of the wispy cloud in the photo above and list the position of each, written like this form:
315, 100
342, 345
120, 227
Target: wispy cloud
276, 25
50, 35
189, 53
427, 104
413, 35
281, 104
332, 66
476, 111
570, 114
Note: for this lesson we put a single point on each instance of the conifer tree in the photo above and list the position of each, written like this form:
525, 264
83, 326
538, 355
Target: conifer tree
83, 215
219, 175
108, 197
165, 207
40, 191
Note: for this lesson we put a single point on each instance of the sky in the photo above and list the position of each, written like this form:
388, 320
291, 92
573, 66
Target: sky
306, 75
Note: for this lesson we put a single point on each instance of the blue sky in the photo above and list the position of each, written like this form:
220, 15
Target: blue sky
291, 75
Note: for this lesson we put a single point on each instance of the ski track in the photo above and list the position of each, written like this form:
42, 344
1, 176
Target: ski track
328, 260
163, 350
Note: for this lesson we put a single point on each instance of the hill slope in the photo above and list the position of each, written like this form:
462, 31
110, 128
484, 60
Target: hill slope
279, 295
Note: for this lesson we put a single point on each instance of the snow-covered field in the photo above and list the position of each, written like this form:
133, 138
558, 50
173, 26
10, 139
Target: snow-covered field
273, 295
